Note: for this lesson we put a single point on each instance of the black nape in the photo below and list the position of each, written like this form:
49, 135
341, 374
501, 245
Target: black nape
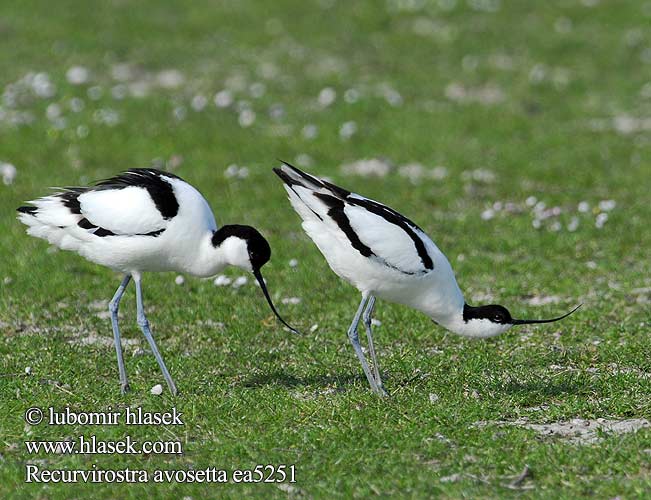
258, 247
493, 313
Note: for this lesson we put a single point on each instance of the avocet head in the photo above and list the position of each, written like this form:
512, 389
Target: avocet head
491, 320
246, 248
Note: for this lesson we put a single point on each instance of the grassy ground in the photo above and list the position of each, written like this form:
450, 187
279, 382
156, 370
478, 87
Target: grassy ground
513, 101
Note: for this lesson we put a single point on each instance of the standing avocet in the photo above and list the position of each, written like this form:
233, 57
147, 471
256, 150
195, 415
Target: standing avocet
145, 220
384, 254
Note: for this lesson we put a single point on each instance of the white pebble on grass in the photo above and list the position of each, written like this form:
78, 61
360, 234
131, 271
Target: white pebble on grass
367, 167
293, 263
583, 206
77, 75
223, 99
199, 102
327, 96
310, 131
28, 370
531, 201
601, 220
291, 300
235, 171
246, 118
240, 281
433, 398
607, 205
157, 390
314, 327
488, 214
222, 280
179, 280
8, 173
347, 130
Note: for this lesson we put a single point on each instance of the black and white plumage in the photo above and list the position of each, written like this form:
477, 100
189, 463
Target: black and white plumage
384, 254
145, 220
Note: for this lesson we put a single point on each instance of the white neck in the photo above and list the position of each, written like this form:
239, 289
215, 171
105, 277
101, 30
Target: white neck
207, 260
210, 259
475, 328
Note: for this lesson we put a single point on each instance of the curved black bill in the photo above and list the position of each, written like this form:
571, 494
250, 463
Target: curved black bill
258, 276
529, 321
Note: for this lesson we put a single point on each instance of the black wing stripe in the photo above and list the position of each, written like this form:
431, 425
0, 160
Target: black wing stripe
161, 191
101, 232
336, 211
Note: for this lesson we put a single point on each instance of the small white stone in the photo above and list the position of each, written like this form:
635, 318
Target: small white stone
223, 99
376, 322
179, 280
351, 96
222, 280
433, 398
240, 281
95, 92
531, 201
157, 390
601, 220
199, 102
77, 104
28, 370
314, 327
257, 89
536, 223
607, 205
170, 78
573, 225
310, 131
291, 300
293, 263
327, 96
246, 118
77, 75
8, 173
583, 206
347, 129
488, 214
303, 160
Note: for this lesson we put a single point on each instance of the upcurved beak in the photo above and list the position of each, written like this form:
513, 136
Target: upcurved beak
529, 321
258, 276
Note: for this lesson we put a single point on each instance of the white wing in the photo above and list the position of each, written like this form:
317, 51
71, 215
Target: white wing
374, 230
125, 211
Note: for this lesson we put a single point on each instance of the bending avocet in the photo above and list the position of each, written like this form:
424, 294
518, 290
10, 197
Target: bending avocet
384, 254
145, 220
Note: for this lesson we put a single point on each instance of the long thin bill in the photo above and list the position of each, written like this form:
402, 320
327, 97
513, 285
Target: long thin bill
529, 321
258, 276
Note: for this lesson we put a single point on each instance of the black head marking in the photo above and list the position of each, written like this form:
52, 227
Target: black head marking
258, 247
153, 181
493, 313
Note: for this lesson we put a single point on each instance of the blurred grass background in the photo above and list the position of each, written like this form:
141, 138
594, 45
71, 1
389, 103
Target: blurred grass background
516, 134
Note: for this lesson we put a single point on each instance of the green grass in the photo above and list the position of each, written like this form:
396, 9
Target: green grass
251, 393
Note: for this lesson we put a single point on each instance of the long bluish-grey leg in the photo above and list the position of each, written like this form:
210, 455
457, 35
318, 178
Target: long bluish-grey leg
368, 315
354, 339
144, 326
114, 306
